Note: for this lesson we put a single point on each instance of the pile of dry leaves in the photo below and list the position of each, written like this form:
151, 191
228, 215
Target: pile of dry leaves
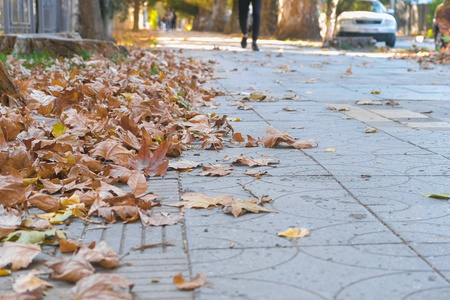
87, 125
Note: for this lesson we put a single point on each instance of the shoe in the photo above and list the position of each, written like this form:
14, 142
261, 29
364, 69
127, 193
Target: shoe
244, 42
255, 47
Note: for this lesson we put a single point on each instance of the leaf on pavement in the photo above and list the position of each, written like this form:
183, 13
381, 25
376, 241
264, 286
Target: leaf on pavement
71, 269
36, 224
368, 102
35, 237
294, 233
152, 163
159, 219
442, 196
114, 151
125, 213
18, 254
254, 162
304, 144
212, 141
29, 283
71, 246
182, 284
9, 221
255, 173
102, 254
137, 183
275, 137
184, 165
47, 203
371, 130
215, 170
195, 200
104, 285
12, 190
240, 207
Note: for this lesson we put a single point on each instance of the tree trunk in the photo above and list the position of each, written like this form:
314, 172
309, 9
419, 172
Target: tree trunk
233, 22
331, 18
91, 20
269, 16
202, 21
8, 90
219, 15
107, 15
298, 19
137, 7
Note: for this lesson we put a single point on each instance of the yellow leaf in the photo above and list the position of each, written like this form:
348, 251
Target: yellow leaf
331, 150
46, 216
58, 130
5, 272
294, 233
66, 201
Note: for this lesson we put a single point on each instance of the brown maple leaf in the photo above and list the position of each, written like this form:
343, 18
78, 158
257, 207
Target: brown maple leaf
182, 284
47, 203
12, 190
18, 254
275, 137
159, 219
138, 183
240, 207
102, 284
71, 246
71, 269
114, 151
212, 141
10, 220
126, 213
215, 170
152, 163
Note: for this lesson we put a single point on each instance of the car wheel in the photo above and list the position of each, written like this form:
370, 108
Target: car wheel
390, 42
439, 41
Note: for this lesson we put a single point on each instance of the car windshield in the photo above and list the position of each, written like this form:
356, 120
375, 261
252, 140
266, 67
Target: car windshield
372, 6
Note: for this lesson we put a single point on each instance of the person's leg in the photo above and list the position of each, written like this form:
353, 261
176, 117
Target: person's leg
256, 4
243, 16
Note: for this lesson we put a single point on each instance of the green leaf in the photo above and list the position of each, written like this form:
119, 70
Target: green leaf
35, 237
443, 196
60, 218
58, 130
155, 70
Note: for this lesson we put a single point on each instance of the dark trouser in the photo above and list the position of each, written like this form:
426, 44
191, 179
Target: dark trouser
243, 16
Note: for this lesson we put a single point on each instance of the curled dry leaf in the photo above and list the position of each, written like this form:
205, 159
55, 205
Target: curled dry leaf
199, 200
45, 202
71, 269
294, 233
275, 137
240, 207
37, 224
102, 254
305, 144
184, 165
368, 102
71, 246
10, 220
12, 190
18, 255
255, 173
215, 170
152, 163
159, 219
371, 130
182, 284
253, 162
102, 286
114, 151
29, 283
212, 141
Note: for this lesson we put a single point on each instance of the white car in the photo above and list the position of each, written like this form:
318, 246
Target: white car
368, 18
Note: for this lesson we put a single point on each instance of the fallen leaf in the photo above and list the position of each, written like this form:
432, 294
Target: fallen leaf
29, 283
257, 96
152, 163
182, 284
304, 144
368, 102
71, 269
212, 141
253, 162
349, 70
289, 109
240, 207
392, 102
71, 246
102, 286
150, 246
291, 97
102, 254
159, 219
5, 272
45, 202
442, 196
255, 173
183, 165
196, 200
35, 237
370, 130
297, 127
18, 254
36, 224
215, 170
114, 151
275, 137
9, 221
376, 92
331, 150
12, 190
294, 233
58, 130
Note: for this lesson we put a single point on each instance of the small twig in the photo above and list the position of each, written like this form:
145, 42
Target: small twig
99, 227
149, 246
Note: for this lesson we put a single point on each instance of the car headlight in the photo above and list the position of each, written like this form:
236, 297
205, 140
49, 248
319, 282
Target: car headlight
346, 21
389, 22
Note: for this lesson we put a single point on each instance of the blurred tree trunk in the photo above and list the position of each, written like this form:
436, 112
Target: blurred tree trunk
233, 22
91, 20
202, 21
107, 15
331, 18
298, 19
137, 7
269, 16
219, 14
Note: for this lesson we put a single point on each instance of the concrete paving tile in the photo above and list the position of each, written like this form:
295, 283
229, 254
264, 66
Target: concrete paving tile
335, 272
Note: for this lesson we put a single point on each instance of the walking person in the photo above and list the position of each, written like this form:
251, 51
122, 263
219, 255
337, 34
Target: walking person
243, 18
168, 16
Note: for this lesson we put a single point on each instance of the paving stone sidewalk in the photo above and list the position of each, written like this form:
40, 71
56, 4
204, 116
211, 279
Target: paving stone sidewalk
373, 234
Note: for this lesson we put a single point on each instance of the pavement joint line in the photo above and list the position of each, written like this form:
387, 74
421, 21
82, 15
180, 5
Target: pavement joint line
398, 235
295, 246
